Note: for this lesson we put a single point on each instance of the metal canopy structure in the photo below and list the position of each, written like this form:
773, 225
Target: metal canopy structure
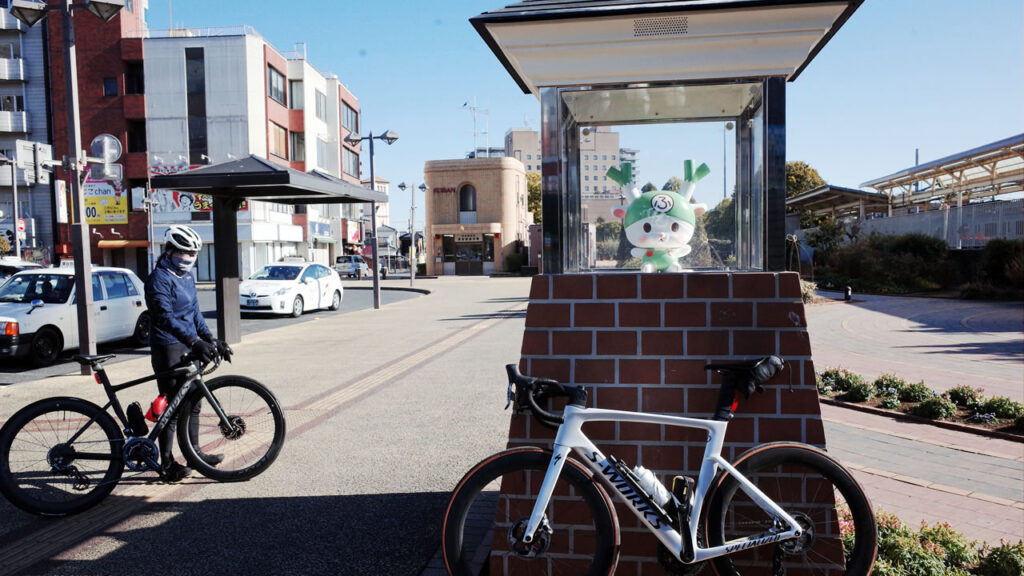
255, 178
544, 43
837, 202
990, 170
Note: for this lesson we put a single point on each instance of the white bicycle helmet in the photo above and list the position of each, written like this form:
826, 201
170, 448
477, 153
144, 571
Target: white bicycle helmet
182, 239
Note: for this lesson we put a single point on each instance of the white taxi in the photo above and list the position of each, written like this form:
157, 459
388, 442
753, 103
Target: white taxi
290, 287
39, 313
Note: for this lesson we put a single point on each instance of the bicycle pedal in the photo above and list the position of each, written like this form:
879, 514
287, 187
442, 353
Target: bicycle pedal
136, 421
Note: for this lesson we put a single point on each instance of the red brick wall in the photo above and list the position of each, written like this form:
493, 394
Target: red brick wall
640, 342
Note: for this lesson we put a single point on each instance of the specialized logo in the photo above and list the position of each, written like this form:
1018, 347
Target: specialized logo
634, 498
753, 543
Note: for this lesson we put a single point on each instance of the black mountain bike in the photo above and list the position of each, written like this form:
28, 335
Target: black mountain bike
60, 456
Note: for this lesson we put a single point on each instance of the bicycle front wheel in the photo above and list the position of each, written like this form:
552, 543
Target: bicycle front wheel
240, 447
59, 456
488, 511
839, 531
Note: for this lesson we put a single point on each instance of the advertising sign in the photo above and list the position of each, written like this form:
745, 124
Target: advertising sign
180, 201
106, 202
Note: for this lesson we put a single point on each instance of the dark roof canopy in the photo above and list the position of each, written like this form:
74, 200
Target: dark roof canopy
259, 179
838, 201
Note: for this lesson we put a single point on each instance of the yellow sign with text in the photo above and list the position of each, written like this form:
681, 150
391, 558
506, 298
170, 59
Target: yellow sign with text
106, 209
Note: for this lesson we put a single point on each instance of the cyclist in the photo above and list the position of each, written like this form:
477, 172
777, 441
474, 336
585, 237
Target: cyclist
178, 328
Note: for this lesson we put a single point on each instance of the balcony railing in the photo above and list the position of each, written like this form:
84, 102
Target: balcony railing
14, 122
8, 22
12, 69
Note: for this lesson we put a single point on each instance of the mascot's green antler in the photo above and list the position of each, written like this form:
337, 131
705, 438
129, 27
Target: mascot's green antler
622, 175
691, 178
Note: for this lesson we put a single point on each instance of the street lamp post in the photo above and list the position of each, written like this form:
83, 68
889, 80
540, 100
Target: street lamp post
354, 139
29, 12
728, 127
412, 230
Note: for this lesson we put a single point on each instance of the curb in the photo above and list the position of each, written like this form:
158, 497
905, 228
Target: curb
918, 419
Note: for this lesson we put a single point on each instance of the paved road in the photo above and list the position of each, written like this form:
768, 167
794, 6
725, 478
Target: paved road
943, 342
358, 296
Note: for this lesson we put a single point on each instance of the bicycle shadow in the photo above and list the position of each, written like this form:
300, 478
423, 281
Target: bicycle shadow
392, 534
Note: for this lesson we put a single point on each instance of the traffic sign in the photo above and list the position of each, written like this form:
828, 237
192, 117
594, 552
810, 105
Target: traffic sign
107, 147
21, 224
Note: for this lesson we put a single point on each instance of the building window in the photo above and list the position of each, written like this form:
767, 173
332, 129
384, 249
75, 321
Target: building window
321, 153
11, 103
298, 141
467, 204
110, 86
195, 93
134, 78
349, 118
321, 105
529, 156
275, 85
295, 94
10, 50
604, 157
613, 156
136, 135
278, 141
586, 156
350, 162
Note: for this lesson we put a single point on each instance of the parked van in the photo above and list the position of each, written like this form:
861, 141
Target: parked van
351, 265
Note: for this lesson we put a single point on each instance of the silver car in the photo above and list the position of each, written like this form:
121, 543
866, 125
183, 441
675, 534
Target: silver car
351, 265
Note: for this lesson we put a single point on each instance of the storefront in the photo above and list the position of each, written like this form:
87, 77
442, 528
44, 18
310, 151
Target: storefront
476, 215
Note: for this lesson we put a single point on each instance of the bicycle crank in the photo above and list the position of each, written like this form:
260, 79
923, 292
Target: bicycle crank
536, 547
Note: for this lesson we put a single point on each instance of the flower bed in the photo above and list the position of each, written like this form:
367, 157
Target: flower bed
962, 405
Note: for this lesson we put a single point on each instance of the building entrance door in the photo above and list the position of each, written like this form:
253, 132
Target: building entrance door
469, 258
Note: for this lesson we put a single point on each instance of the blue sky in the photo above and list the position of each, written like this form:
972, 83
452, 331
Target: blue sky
940, 76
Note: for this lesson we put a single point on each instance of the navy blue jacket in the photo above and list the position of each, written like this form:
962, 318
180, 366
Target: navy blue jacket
174, 307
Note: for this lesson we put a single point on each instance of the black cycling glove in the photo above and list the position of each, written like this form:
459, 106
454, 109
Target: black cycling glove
223, 349
203, 351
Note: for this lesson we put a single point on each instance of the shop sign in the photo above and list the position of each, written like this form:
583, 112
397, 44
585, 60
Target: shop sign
106, 202
443, 190
178, 201
319, 229
469, 237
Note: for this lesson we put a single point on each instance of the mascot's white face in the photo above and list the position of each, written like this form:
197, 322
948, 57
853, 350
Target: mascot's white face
660, 230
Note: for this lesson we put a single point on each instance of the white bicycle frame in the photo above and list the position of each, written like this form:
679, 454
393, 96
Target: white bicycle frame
571, 437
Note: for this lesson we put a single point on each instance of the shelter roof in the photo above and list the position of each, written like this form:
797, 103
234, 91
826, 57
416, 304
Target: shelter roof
657, 40
839, 201
990, 170
257, 178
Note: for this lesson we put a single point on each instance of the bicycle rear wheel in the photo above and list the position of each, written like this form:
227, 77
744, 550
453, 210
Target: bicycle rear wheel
840, 535
492, 503
248, 446
60, 456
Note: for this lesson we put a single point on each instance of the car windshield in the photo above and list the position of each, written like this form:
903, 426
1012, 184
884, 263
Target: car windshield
50, 288
277, 273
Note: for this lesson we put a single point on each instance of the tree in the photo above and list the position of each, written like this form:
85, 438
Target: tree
5, 246
533, 202
800, 177
648, 187
608, 230
721, 221
674, 184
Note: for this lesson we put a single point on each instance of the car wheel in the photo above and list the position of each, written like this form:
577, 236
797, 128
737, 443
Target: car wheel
336, 300
46, 346
297, 307
140, 337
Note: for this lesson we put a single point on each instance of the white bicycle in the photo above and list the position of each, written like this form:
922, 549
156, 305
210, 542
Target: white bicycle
781, 507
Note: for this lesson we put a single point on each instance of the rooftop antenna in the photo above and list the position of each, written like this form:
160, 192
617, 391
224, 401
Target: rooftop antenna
476, 110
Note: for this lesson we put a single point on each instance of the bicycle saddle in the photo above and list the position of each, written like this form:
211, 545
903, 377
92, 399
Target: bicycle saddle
89, 360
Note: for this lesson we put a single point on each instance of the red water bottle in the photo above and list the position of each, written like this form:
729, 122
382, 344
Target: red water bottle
157, 408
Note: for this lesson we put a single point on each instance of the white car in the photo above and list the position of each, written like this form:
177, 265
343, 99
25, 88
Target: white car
351, 265
39, 314
291, 288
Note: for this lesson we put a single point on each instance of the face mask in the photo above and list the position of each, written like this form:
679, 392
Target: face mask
182, 263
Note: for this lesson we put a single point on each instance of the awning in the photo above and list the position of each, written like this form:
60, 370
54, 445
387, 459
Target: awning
123, 244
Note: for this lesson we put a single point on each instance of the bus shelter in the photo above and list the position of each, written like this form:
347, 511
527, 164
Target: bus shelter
253, 178
668, 62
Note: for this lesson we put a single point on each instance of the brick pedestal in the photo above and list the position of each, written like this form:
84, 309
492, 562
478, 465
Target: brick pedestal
640, 342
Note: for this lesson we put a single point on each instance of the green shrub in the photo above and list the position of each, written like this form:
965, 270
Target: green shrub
890, 264
965, 396
1003, 407
859, 392
838, 380
514, 262
1003, 560
891, 402
888, 385
936, 408
1018, 423
916, 392
999, 262
807, 291
958, 551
